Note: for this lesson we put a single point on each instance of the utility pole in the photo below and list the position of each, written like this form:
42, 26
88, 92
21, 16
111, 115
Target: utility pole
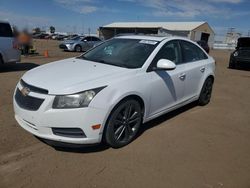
89, 31
82, 27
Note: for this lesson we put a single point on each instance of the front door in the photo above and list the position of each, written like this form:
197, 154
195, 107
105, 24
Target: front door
167, 86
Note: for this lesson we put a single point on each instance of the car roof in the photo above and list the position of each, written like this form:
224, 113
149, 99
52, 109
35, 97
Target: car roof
2, 21
142, 37
148, 37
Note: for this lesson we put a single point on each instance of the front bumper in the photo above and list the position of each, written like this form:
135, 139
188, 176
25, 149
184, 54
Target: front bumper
41, 121
239, 59
67, 47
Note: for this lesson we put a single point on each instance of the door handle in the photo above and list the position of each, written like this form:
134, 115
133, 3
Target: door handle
202, 69
182, 76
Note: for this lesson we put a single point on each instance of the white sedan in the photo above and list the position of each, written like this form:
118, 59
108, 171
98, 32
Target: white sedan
107, 93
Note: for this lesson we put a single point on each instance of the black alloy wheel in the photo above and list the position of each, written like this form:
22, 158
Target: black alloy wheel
124, 123
206, 92
78, 48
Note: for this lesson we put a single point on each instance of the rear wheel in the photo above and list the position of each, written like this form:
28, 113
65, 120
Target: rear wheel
206, 92
1, 61
232, 64
78, 48
123, 124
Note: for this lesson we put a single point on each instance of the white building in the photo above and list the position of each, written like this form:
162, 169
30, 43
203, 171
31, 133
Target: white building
193, 30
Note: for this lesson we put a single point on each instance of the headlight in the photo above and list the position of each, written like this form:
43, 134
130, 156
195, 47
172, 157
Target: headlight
77, 100
236, 54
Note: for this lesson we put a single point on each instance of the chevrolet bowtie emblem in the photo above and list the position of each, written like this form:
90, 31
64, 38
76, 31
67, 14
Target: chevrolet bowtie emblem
25, 91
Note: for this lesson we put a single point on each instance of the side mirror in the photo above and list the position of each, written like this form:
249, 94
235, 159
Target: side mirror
165, 64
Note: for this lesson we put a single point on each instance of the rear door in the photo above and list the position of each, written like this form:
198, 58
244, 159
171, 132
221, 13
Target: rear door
195, 60
95, 41
87, 43
9, 53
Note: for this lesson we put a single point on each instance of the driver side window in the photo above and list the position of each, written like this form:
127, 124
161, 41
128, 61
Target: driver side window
86, 39
170, 51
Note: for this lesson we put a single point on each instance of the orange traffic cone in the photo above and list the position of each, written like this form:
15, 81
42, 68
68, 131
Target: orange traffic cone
46, 53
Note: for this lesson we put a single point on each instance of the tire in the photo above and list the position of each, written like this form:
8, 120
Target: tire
1, 60
78, 48
123, 123
206, 92
232, 64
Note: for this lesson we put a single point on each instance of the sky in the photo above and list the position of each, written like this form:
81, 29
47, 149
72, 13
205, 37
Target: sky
83, 15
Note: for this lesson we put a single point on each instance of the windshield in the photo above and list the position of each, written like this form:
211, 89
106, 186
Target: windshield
129, 53
75, 38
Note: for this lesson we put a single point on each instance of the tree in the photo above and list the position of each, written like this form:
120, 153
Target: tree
52, 29
36, 30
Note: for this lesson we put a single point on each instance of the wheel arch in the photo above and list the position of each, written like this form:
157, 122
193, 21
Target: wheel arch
137, 98
210, 76
124, 98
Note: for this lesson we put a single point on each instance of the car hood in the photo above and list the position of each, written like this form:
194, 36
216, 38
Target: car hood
73, 75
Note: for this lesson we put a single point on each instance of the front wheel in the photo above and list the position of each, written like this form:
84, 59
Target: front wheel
78, 48
232, 64
123, 124
1, 60
206, 92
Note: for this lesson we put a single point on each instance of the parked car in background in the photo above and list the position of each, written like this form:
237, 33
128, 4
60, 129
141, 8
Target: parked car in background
109, 91
80, 44
9, 51
61, 37
204, 45
69, 37
241, 55
41, 36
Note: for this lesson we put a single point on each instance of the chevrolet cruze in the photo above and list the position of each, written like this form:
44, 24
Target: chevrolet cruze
107, 93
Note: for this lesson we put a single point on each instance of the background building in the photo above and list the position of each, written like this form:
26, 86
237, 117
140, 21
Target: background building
193, 30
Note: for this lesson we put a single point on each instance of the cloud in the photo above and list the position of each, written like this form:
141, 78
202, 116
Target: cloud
73, 1
188, 8
79, 6
85, 6
184, 9
227, 1
87, 9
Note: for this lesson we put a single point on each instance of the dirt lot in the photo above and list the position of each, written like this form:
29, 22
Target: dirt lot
198, 147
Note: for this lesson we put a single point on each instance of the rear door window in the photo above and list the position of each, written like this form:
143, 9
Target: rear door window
95, 39
88, 39
191, 52
5, 30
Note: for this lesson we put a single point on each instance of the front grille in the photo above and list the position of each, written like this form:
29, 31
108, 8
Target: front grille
27, 102
245, 53
33, 88
69, 132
